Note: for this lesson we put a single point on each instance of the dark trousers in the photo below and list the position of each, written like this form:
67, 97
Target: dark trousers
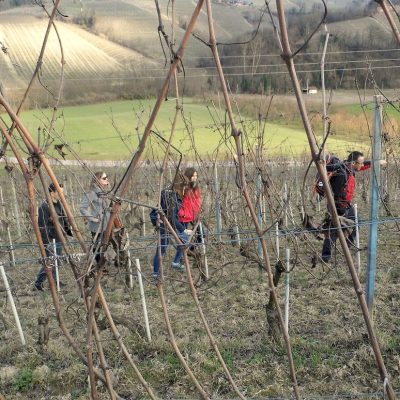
49, 247
331, 236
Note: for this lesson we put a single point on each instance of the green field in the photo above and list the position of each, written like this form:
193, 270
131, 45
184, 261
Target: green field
390, 111
109, 131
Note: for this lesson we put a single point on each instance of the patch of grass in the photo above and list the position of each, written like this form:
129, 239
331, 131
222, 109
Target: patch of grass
298, 359
107, 131
172, 361
228, 356
211, 365
23, 381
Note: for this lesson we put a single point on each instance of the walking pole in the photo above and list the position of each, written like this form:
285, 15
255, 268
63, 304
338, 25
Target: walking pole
56, 264
143, 299
11, 300
203, 249
358, 255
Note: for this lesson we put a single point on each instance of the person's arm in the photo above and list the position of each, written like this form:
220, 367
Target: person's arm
332, 167
368, 164
176, 223
86, 207
65, 222
44, 222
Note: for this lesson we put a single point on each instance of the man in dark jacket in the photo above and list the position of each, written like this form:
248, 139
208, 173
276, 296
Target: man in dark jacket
343, 184
51, 241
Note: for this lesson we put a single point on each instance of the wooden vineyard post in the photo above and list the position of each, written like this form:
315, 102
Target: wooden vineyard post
16, 208
55, 265
129, 266
12, 255
287, 288
143, 299
11, 300
218, 223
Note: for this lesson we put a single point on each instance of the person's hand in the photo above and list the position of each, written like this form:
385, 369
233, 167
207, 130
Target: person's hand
95, 220
383, 163
188, 232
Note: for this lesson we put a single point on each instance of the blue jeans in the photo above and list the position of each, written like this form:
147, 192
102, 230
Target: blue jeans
165, 239
332, 235
49, 248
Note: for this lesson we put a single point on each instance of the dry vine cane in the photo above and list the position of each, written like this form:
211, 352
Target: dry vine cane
243, 186
288, 58
123, 185
199, 309
389, 17
28, 175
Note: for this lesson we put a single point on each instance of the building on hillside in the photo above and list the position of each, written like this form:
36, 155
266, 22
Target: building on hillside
240, 3
309, 89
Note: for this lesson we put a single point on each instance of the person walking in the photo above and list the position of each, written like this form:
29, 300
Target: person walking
191, 201
343, 184
171, 203
95, 209
48, 232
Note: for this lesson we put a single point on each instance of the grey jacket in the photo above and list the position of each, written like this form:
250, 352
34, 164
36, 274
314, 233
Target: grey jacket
95, 209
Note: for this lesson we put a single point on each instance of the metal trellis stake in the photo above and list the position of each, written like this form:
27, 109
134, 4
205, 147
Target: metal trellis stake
203, 249
358, 255
374, 207
55, 256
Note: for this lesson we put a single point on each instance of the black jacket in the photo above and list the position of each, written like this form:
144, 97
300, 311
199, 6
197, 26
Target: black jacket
46, 224
170, 203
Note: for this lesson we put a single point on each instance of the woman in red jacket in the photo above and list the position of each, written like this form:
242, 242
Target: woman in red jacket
191, 201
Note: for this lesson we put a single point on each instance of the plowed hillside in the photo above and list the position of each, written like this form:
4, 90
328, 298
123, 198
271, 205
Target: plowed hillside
85, 54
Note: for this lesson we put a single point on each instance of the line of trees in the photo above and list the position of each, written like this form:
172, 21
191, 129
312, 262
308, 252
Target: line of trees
253, 70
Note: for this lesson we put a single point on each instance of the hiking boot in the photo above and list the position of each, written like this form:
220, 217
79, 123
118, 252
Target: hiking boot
178, 266
38, 286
